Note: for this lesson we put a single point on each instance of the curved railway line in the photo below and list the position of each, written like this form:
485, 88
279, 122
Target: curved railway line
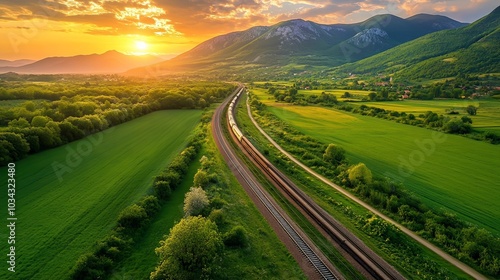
306, 248
375, 266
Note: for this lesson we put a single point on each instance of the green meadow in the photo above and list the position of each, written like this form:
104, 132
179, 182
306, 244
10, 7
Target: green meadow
487, 117
69, 197
446, 171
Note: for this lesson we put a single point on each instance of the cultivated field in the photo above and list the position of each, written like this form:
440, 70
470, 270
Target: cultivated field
355, 94
487, 118
61, 217
447, 171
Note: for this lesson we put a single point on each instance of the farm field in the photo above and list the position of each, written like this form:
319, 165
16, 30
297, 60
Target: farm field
355, 95
337, 92
61, 217
459, 174
487, 118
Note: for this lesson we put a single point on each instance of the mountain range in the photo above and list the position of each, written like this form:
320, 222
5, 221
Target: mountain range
421, 46
474, 48
106, 63
306, 42
15, 63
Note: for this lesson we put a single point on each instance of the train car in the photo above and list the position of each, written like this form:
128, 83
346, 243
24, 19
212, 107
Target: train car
230, 114
237, 132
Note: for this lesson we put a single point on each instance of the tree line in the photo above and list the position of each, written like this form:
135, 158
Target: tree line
50, 118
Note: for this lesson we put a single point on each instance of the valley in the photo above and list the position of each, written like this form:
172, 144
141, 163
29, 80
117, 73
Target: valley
135, 156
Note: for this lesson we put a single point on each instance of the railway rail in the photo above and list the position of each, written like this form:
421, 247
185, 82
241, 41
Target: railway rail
372, 263
324, 271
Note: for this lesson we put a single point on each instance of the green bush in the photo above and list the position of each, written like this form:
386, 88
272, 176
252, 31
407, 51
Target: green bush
90, 267
132, 217
236, 237
150, 204
217, 216
162, 189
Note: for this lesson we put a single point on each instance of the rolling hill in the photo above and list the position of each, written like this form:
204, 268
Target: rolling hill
15, 63
106, 63
470, 49
305, 42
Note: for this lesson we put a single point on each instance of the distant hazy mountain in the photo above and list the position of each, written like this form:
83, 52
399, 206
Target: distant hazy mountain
106, 63
306, 42
15, 63
474, 48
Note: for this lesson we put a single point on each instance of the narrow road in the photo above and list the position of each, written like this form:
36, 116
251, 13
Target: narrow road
462, 266
314, 264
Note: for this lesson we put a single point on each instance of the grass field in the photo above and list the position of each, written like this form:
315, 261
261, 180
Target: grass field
59, 220
355, 94
487, 118
459, 174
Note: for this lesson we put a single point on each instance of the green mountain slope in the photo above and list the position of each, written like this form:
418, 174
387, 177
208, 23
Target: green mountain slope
304, 43
470, 49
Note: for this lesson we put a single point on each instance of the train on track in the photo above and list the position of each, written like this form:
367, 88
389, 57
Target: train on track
323, 219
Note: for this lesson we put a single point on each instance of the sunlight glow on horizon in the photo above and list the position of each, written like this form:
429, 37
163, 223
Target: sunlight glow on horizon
141, 45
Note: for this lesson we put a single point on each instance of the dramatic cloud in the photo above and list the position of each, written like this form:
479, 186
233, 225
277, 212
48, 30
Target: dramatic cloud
117, 15
209, 17
185, 23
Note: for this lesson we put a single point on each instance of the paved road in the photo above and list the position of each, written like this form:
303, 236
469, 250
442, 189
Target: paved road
267, 206
465, 268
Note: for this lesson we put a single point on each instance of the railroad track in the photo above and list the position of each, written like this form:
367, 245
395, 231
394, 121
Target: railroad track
300, 242
371, 262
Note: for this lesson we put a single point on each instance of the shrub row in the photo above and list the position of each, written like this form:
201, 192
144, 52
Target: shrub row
135, 218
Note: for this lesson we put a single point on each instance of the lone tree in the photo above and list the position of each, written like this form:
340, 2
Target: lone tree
192, 250
471, 110
334, 154
360, 174
195, 201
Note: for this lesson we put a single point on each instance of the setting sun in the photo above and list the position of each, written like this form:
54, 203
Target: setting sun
141, 45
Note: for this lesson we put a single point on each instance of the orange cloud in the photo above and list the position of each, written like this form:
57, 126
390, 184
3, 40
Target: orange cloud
185, 23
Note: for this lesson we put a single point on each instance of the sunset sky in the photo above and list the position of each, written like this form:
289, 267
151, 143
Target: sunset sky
34, 29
